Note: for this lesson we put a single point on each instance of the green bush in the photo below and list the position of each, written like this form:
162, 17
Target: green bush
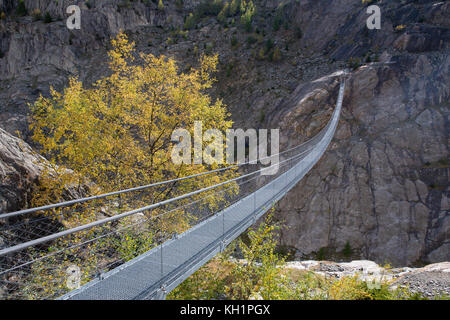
278, 20
269, 45
208, 8
276, 56
21, 10
234, 7
322, 253
47, 17
190, 22
298, 32
348, 251
251, 40
36, 14
234, 41
160, 5
179, 4
224, 13
354, 63
262, 116
248, 10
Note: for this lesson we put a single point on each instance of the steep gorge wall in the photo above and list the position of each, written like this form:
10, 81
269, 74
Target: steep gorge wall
383, 184
382, 187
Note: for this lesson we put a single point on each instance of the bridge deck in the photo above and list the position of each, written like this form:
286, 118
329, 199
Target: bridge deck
155, 273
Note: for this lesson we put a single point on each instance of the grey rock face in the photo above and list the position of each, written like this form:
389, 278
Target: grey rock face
19, 170
383, 185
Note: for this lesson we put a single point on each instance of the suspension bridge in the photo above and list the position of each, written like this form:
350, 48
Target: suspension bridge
44, 258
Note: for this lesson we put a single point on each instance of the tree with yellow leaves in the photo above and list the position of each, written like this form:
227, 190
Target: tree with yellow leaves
117, 133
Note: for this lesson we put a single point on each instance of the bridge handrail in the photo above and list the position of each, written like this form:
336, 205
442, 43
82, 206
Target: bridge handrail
57, 235
114, 193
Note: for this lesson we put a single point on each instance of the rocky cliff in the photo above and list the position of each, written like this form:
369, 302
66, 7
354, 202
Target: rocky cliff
382, 187
381, 191
20, 168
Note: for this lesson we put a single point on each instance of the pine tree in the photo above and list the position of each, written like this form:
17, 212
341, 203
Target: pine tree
47, 17
248, 11
21, 10
276, 54
223, 14
234, 7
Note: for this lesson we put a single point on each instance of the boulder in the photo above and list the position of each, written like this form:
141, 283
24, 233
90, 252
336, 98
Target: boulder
20, 168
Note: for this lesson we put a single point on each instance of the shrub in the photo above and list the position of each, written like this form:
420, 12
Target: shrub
261, 54
36, 14
354, 63
322, 253
262, 116
399, 28
208, 8
160, 5
278, 20
179, 4
298, 32
276, 56
21, 10
223, 14
234, 7
348, 251
190, 21
251, 40
443, 162
229, 69
248, 11
47, 17
269, 45
234, 41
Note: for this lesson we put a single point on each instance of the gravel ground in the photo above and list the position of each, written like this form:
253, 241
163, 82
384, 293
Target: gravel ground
430, 281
